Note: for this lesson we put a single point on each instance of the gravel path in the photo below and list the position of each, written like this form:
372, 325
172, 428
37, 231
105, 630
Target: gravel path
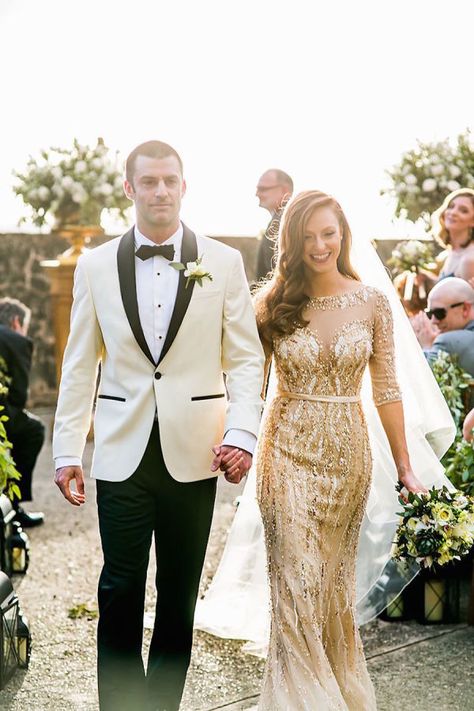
412, 666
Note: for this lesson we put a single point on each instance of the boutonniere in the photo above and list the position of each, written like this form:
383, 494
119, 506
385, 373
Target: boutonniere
193, 271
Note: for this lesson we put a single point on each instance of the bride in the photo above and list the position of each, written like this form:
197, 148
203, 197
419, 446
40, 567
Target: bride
322, 326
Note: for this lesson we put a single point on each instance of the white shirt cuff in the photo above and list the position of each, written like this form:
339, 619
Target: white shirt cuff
67, 462
241, 439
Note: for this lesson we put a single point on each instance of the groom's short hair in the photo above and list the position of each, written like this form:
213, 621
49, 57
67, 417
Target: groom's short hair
151, 149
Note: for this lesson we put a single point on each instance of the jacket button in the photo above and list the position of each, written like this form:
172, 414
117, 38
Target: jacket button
157, 375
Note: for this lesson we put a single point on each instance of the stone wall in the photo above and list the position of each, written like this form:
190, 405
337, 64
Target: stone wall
22, 277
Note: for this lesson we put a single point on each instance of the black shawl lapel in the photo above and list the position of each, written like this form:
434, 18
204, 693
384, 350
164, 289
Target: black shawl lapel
128, 288
189, 253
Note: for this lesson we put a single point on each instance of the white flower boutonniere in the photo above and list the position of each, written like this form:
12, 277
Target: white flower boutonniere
193, 271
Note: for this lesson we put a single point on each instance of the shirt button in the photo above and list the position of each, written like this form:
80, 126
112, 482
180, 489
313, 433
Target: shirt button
157, 375
157, 273
159, 306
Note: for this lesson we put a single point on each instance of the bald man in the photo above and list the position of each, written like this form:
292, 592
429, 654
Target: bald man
448, 322
274, 189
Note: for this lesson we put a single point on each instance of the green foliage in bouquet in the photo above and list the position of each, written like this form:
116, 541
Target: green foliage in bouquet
411, 256
435, 528
8, 473
429, 172
72, 185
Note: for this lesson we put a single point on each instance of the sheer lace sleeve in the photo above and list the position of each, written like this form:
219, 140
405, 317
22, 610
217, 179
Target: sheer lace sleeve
385, 387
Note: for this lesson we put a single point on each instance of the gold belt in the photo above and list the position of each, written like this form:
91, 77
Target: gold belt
319, 398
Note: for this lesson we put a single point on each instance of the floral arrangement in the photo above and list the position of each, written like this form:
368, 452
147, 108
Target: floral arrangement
412, 256
429, 172
8, 472
435, 528
193, 271
72, 185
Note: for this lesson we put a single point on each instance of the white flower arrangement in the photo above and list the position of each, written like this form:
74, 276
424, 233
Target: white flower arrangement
435, 528
426, 174
193, 271
72, 185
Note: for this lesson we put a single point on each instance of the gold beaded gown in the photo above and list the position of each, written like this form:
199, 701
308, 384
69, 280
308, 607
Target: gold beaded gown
313, 479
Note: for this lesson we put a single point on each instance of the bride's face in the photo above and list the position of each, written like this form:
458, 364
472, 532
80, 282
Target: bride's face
322, 241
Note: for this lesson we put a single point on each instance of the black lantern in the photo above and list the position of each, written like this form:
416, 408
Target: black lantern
19, 544
7, 514
396, 607
8, 629
23, 637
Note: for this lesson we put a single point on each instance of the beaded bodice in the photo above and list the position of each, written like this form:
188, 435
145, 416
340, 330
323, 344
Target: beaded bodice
344, 334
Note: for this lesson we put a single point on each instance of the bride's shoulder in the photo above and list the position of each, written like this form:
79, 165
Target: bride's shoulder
376, 296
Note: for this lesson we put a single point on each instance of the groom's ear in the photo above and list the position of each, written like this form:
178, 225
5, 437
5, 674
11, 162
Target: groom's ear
183, 188
128, 190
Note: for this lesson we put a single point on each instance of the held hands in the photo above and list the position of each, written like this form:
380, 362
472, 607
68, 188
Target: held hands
63, 478
234, 462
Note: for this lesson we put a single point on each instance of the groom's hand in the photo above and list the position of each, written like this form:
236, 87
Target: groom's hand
63, 478
234, 462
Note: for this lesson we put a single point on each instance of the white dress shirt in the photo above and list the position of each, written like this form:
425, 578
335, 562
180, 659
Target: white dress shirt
157, 286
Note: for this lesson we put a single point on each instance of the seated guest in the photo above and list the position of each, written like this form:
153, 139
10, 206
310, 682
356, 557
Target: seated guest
24, 430
448, 322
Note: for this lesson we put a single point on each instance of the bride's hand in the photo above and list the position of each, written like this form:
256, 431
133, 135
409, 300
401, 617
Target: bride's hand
412, 483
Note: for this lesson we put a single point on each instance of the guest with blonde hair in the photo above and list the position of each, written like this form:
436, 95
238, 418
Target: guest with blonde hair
455, 223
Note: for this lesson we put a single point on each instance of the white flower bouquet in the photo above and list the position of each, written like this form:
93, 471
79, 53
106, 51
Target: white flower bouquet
429, 172
72, 185
435, 528
412, 256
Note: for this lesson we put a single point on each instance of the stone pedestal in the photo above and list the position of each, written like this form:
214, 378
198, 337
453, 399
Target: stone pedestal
61, 276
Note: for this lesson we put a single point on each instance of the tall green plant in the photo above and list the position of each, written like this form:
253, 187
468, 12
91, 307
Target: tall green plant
8, 472
459, 459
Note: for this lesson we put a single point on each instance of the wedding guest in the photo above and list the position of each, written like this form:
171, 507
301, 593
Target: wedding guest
448, 322
24, 430
164, 343
454, 222
274, 189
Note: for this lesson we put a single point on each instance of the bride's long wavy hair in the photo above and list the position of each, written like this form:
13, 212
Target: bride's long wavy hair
282, 300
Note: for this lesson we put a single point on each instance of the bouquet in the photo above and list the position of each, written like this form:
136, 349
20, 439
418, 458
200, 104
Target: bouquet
410, 257
427, 173
435, 528
73, 185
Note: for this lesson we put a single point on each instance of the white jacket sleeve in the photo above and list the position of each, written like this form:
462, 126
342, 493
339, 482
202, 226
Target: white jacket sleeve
242, 354
79, 371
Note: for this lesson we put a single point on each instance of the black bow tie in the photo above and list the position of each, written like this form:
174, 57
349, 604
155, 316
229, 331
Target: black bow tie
164, 250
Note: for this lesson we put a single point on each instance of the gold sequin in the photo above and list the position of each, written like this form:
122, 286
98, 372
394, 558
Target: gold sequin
314, 471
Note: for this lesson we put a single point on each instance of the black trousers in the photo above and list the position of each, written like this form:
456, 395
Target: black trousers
26, 433
180, 516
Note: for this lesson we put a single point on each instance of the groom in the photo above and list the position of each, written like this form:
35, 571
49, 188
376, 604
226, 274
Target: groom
165, 421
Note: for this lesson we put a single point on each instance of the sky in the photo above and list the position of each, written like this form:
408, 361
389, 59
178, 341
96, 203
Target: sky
331, 92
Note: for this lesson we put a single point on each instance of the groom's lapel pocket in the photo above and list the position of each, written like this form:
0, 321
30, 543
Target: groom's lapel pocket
208, 397
111, 397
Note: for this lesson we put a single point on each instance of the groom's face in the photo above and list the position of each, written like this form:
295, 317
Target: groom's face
157, 188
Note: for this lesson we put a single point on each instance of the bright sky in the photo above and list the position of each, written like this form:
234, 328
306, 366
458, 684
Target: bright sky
332, 92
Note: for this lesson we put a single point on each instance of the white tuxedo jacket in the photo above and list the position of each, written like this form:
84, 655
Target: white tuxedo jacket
212, 332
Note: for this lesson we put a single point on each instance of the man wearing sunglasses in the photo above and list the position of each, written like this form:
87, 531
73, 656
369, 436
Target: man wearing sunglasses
448, 322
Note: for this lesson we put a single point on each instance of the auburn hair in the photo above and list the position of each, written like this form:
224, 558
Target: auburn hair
281, 300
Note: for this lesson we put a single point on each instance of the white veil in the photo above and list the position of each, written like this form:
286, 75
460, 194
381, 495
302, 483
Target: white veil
237, 604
